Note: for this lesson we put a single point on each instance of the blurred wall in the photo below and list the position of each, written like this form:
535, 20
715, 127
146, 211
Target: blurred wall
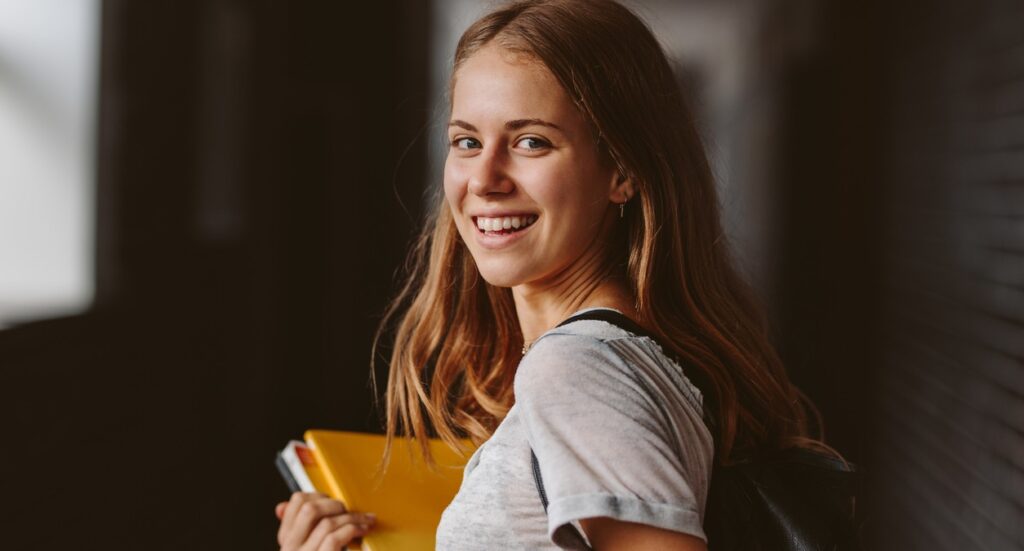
258, 181
947, 403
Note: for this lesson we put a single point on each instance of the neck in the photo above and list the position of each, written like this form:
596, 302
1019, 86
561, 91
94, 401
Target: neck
588, 284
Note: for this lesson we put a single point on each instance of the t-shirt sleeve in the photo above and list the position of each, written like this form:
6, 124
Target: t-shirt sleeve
610, 443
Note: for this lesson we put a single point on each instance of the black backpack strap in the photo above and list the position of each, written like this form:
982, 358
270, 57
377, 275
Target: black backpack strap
581, 541
615, 318
538, 481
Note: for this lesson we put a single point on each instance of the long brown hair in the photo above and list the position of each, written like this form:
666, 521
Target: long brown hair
457, 343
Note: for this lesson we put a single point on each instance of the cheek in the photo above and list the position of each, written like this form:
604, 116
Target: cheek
454, 186
456, 183
576, 195
451, 187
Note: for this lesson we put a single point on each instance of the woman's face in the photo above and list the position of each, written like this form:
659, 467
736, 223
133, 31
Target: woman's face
530, 194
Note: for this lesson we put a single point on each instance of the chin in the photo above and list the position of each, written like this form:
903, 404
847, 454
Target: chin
499, 274
499, 279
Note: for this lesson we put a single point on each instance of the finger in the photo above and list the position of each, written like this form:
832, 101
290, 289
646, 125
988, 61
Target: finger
290, 511
279, 510
308, 514
295, 504
339, 539
291, 507
330, 524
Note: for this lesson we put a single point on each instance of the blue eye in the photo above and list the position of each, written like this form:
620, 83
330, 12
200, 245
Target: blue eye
465, 143
532, 143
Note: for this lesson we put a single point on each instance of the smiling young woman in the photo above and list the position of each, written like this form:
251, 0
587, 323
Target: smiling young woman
521, 150
575, 182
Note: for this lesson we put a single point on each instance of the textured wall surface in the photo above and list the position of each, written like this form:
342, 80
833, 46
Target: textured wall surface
949, 397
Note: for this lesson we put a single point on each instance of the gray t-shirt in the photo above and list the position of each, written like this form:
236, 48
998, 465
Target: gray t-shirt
618, 432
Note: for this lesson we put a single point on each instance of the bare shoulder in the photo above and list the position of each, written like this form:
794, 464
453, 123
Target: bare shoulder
609, 533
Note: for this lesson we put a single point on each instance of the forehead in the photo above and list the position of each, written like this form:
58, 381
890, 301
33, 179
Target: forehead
497, 83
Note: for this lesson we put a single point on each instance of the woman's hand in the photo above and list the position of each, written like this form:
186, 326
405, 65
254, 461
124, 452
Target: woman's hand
315, 522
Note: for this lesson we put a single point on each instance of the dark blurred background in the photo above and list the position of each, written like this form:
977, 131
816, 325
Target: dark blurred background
204, 205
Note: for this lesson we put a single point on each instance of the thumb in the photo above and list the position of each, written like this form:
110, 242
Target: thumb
279, 510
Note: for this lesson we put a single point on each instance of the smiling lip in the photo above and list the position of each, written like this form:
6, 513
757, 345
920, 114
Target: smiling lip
495, 231
501, 214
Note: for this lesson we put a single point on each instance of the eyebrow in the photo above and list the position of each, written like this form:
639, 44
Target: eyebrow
510, 125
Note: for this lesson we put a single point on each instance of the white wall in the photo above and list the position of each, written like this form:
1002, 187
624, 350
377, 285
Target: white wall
48, 82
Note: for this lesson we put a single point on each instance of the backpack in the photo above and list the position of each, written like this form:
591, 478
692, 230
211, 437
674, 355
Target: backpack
792, 500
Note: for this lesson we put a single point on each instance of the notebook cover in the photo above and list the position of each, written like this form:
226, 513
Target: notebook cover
286, 474
408, 500
302, 470
316, 475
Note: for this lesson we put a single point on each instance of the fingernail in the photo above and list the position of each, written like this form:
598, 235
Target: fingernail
371, 517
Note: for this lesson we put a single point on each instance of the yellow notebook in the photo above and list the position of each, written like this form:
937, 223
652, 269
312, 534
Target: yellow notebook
408, 500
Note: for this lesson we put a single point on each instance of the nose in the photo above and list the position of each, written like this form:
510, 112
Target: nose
489, 174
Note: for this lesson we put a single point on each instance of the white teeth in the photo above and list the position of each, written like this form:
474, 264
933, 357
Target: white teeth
504, 223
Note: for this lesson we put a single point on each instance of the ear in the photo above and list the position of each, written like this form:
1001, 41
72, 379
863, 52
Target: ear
621, 189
